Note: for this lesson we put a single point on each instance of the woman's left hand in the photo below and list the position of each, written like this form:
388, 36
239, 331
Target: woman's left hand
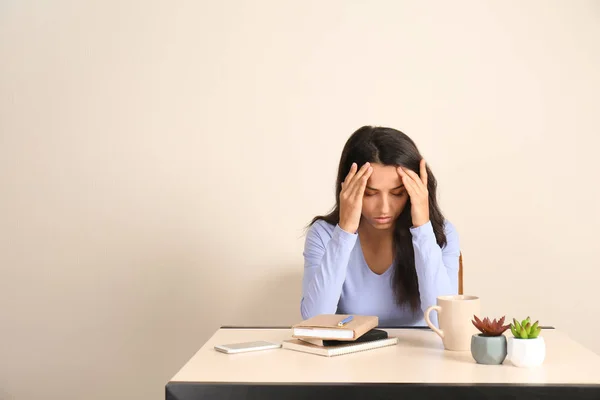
416, 186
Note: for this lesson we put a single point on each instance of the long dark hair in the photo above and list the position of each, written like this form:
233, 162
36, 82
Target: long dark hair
389, 146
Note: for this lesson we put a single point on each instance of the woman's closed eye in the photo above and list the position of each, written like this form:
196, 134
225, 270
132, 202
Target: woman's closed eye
398, 194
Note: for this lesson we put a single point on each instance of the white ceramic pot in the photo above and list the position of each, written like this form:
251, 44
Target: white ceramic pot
526, 352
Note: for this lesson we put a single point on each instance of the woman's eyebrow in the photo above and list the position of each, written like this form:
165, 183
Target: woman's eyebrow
399, 187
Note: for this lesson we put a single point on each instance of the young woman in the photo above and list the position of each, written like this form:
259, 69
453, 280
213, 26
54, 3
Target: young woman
385, 249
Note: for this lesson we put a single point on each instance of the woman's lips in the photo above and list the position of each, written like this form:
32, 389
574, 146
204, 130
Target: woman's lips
383, 220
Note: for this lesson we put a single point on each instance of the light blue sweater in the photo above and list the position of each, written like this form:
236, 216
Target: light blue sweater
337, 279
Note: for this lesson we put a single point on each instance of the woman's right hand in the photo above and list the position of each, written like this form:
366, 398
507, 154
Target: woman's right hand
351, 196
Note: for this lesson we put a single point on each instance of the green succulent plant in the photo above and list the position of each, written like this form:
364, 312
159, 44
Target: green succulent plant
525, 329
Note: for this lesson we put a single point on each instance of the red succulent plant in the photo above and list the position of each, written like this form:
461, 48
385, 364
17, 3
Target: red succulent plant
490, 328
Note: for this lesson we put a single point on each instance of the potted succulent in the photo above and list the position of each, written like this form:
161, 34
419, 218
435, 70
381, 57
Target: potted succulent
526, 348
489, 346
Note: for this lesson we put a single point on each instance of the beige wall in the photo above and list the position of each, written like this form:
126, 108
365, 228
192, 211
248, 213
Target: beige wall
158, 161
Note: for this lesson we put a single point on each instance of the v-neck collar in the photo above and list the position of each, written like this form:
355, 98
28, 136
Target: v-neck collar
366, 265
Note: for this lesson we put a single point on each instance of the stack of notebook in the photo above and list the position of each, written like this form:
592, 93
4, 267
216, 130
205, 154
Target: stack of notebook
325, 335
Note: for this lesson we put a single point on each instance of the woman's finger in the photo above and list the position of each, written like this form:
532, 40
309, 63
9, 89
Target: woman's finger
408, 182
416, 179
400, 172
350, 174
410, 186
359, 174
359, 190
404, 172
424, 172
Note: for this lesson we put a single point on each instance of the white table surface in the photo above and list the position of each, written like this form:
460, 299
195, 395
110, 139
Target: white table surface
418, 358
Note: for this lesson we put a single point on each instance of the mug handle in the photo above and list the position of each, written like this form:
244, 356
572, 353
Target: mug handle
438, 309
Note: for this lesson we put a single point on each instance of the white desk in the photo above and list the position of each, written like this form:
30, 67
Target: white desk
418, 366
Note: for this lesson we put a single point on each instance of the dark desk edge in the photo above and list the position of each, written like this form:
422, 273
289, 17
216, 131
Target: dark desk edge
346, 391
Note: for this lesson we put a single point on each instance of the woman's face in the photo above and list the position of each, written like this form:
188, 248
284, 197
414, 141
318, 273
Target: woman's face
385, 197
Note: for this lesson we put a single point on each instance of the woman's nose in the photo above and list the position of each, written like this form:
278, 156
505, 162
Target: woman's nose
385, 205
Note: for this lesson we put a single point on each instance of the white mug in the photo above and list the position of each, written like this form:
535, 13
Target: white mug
455, 314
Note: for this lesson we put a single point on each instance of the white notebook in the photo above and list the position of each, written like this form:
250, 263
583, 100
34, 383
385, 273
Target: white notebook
331, 351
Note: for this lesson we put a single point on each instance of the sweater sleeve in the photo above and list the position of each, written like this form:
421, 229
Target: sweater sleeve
326, 257
437, 268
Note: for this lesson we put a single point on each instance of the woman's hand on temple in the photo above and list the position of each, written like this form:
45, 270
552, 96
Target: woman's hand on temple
351, 197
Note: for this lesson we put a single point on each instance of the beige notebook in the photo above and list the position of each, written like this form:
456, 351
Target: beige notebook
325, 326
331, 351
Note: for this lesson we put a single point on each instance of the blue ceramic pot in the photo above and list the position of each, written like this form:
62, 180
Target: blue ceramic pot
488, 349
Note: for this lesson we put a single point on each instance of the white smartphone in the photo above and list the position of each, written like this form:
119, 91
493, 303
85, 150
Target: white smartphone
247, 346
